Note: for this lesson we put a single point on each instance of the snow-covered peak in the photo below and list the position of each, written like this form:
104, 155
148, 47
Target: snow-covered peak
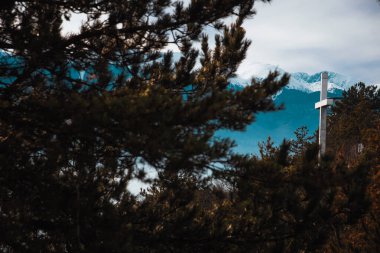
298, 80
312, 83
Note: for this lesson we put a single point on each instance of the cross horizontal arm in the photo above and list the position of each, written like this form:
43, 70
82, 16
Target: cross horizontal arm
324, 103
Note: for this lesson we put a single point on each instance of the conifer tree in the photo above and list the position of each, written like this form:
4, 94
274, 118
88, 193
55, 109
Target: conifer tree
354, 136
84, 113
295, 203
302, 142
352, 121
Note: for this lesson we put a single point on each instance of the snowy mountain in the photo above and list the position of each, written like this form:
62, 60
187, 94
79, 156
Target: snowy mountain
298, 97
299, 80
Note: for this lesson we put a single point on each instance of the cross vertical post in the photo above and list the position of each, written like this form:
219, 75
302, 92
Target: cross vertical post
323, 114
322, 106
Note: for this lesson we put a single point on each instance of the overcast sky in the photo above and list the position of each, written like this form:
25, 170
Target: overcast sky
311, 36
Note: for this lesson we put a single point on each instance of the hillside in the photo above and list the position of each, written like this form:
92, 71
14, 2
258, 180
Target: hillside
298, 98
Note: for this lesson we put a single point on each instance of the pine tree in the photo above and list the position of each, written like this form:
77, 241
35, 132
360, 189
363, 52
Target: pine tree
302, 142
354, 137
84, 113
352, 121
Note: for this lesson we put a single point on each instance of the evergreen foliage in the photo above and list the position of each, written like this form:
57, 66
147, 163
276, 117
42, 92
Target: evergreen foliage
71, 143
354, 122
302, 141
354, 136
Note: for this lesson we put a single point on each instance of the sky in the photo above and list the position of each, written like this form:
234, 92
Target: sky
342, 36
311, 36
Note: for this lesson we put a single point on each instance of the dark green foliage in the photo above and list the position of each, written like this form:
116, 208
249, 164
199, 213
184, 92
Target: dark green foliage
353, 119
354, 138
282, 206
70, 144
302, 141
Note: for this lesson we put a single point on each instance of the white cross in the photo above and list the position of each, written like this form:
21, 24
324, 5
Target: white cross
322, 106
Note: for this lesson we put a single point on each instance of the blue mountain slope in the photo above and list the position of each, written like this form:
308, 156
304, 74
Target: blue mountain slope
299, 111
298, 97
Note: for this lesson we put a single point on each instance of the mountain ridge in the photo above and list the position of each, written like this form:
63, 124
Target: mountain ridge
298, 80
298, 97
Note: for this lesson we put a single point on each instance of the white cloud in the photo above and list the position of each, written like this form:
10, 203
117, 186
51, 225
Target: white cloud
311, 36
